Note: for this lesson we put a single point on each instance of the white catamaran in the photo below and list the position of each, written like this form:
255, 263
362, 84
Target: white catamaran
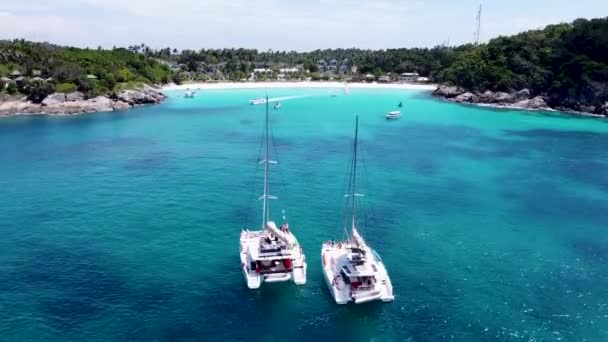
353, 271
271, 254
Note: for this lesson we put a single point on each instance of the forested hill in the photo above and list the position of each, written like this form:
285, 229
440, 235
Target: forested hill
66, 69
567, 64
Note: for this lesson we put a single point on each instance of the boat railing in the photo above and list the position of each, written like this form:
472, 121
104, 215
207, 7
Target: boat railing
283, 270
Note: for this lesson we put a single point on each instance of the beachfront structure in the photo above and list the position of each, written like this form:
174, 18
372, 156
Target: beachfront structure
262, 70
322, 65
409, 77
384, 79
332, 66
423, 80
15, 73
289, 70
344, 67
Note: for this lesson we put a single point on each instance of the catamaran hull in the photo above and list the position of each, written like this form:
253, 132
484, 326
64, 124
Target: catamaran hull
338, 297
342, 294
299, 275
253, 281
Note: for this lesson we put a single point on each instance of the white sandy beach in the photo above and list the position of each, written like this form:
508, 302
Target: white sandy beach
304, 84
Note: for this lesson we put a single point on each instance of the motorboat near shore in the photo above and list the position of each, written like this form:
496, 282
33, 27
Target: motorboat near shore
393, 115
257, 101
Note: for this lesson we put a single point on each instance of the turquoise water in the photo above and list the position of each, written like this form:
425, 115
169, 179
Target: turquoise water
124, 226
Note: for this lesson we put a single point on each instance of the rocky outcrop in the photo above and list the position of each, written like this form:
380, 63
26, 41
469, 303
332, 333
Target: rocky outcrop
521, 95
135, 97
74, 96
534, 103
603, 109
520, 99
75, 102
448, 91
467, 97
54, 99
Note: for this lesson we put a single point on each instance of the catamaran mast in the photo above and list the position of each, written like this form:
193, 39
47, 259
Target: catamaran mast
265, 206
354, 175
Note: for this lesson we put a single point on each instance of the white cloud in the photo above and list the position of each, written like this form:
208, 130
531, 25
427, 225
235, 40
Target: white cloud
263, 24
32, 27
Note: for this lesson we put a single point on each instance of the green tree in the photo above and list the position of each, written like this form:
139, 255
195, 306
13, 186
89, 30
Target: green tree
11, 89
37, 91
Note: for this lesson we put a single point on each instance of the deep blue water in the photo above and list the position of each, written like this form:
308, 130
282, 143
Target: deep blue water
124, 226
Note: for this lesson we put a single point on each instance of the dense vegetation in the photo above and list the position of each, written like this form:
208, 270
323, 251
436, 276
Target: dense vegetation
566, 63
236, 64
48, 68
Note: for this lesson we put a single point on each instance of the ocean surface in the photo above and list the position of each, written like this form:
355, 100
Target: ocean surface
124, 226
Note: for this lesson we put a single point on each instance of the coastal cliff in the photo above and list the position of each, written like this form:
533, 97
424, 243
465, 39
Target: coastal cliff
563, 67
521, 99
76, 103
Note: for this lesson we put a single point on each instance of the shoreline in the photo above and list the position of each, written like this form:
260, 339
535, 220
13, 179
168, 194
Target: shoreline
75, 103
516, 100
301, 84
513, 107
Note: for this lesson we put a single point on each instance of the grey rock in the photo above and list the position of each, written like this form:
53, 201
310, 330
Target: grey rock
99, 104
448, 91
534, 103
587, 108
137, 97
118, 105
521, 95
18, 106
500, 97
53, 99
486, 97
467, 97
74, 96
603, 109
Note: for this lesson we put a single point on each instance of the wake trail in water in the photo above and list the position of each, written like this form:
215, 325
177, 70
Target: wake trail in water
284, 98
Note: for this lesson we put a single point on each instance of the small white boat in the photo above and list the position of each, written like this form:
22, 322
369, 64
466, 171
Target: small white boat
393, 115
353, 271
257, 101
271, 254
189, 94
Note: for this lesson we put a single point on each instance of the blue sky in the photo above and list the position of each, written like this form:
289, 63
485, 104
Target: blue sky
279, 24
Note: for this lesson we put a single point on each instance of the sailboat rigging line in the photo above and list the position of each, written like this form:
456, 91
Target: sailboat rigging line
350, 197
353, 190
366, 210
265, 206
279, 171
252, 184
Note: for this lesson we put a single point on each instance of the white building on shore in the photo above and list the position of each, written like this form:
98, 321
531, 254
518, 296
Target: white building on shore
409, 77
